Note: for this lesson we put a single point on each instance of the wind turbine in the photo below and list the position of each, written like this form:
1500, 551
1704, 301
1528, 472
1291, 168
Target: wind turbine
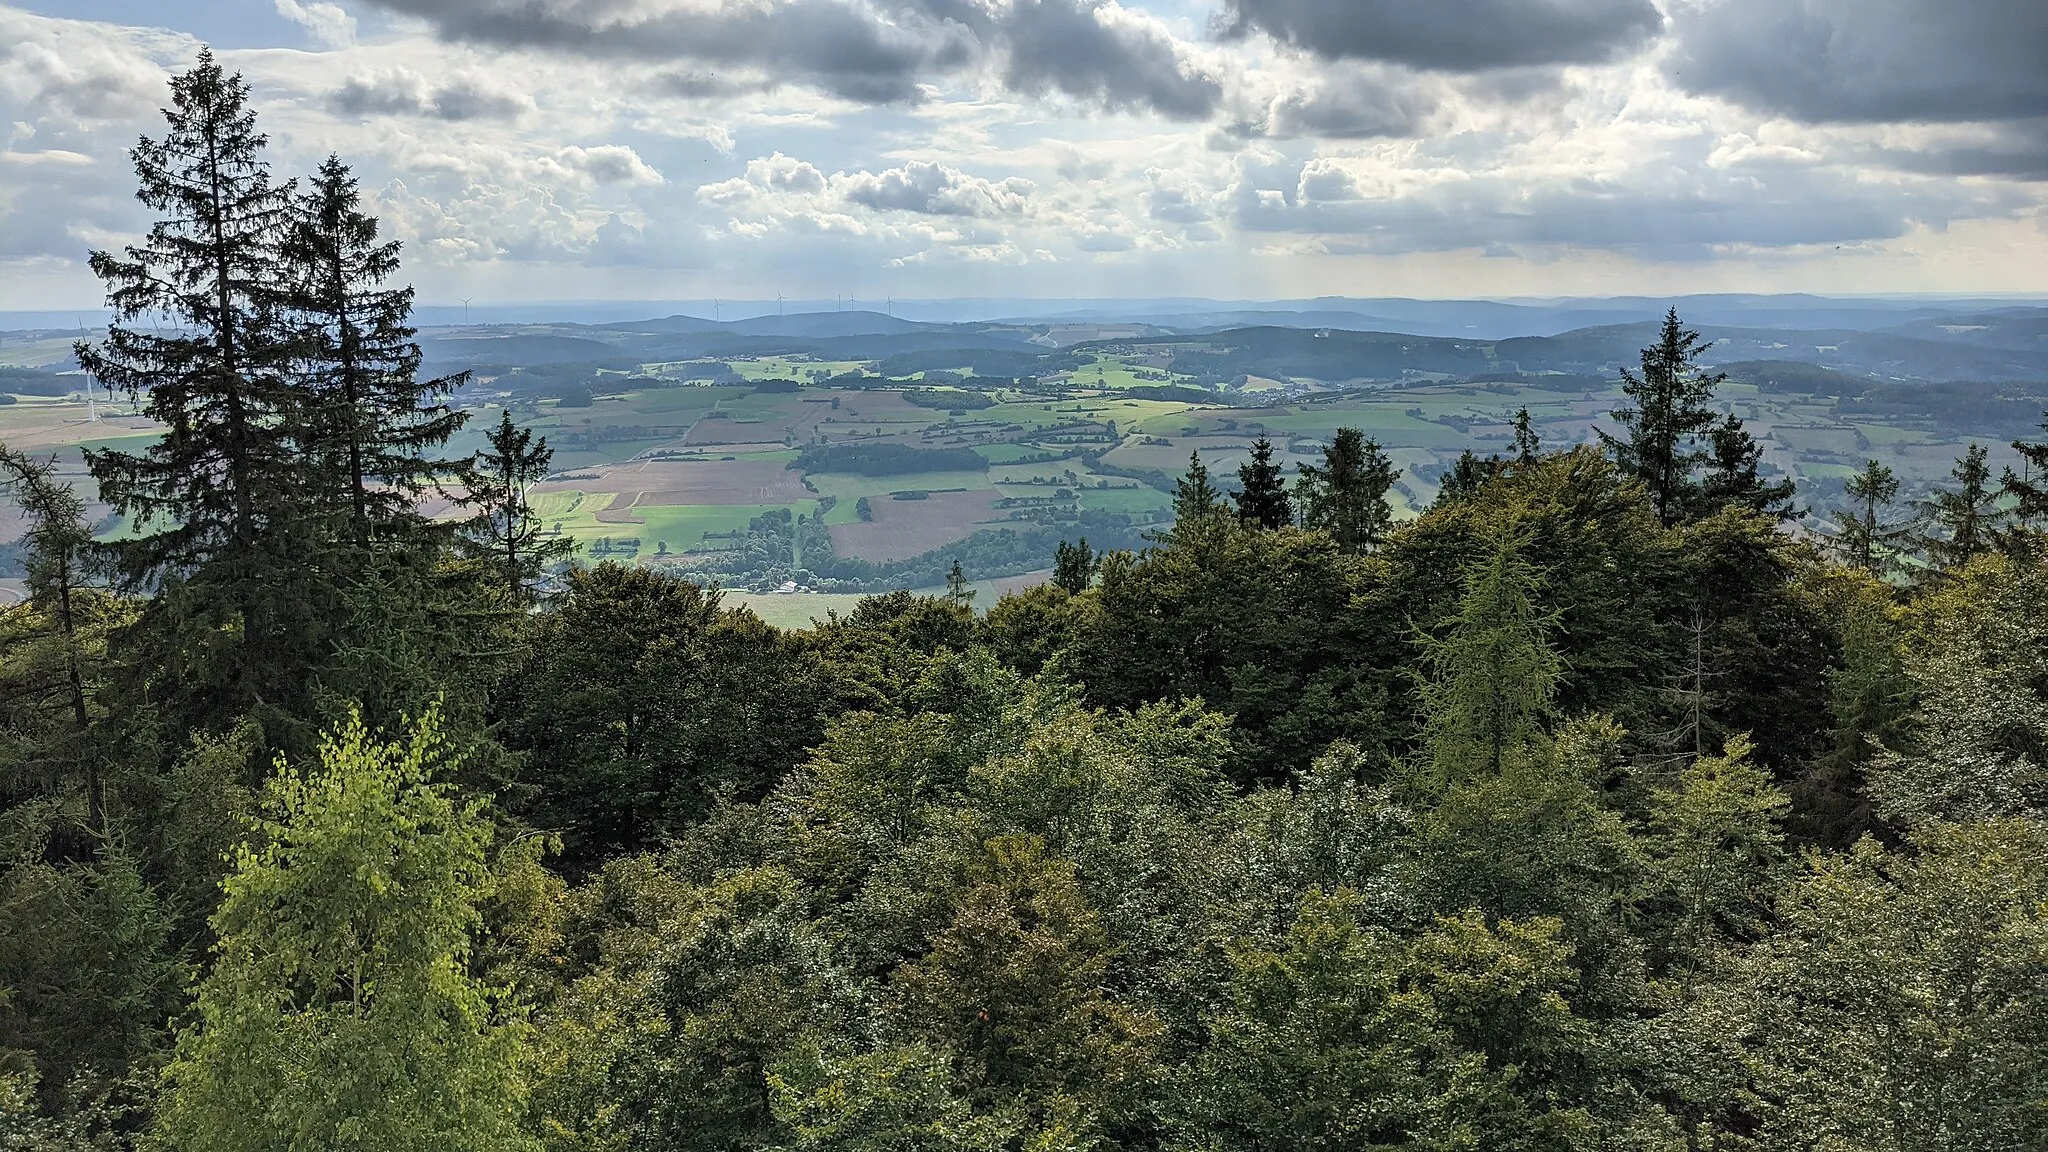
892, 307
465, 310
778, 305
717, 310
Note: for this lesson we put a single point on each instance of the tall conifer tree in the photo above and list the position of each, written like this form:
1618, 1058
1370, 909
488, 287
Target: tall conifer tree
371, 423
1735, 477
1965, 519
1870, 535
1262, 493
505, 530
219, 503
1667, 423
1194, 496
1346, 495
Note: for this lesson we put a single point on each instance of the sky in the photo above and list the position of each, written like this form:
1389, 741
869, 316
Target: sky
545, 150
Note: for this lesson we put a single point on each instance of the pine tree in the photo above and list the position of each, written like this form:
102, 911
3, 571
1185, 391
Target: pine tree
1667, 421
1194, 497
1966, 519
1734, 479
1262, 493
340, 1012
1347, 495
505, 530
1466, 476
213, 486
373, 424
1870, 537
1074, 565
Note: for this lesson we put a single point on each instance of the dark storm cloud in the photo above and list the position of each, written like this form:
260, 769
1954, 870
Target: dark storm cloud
1452, 35
1868, 60
866, 51
1068, 46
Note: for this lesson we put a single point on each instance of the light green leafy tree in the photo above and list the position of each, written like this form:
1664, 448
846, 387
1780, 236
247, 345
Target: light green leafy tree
1492, 680
1902, 1007
1977, 742
1718, 847
339, 1014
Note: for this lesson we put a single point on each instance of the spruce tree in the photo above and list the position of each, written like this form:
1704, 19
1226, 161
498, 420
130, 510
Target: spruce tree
505, 532
214, 484
372, 424
1074, 565
1527, 445
52, 673
1262, 493
1668, 420
1870, 536
1735, 480
2028, 491
1965, 519
1194, 496
220, 504
958, 590
1347, 495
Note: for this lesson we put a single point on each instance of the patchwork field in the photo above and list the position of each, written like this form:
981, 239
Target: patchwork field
905, 528
681, 471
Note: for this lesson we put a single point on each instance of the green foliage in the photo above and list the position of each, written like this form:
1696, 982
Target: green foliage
338, 1010
1901, 1005
1346, 495
505, 532
1194, 497
642, 700
1966, 520
1493, 679
1871, 538
372, 425
1261, 491
1668, 426
1976, 743
1074, 566
887, 459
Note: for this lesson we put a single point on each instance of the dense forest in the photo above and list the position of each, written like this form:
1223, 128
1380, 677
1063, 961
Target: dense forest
1593, 809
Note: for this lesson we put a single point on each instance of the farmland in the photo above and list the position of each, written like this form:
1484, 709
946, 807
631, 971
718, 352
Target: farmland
812, 468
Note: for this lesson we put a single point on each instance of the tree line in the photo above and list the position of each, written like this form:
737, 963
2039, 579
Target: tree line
1590, 809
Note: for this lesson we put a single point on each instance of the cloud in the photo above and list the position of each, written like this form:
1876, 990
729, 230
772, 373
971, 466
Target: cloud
1849, 61
1102, 53
1452, 35
400, 91
865, 51
935, 190
329, 24
1346, 102
1689, 214
785, 186
62, 68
